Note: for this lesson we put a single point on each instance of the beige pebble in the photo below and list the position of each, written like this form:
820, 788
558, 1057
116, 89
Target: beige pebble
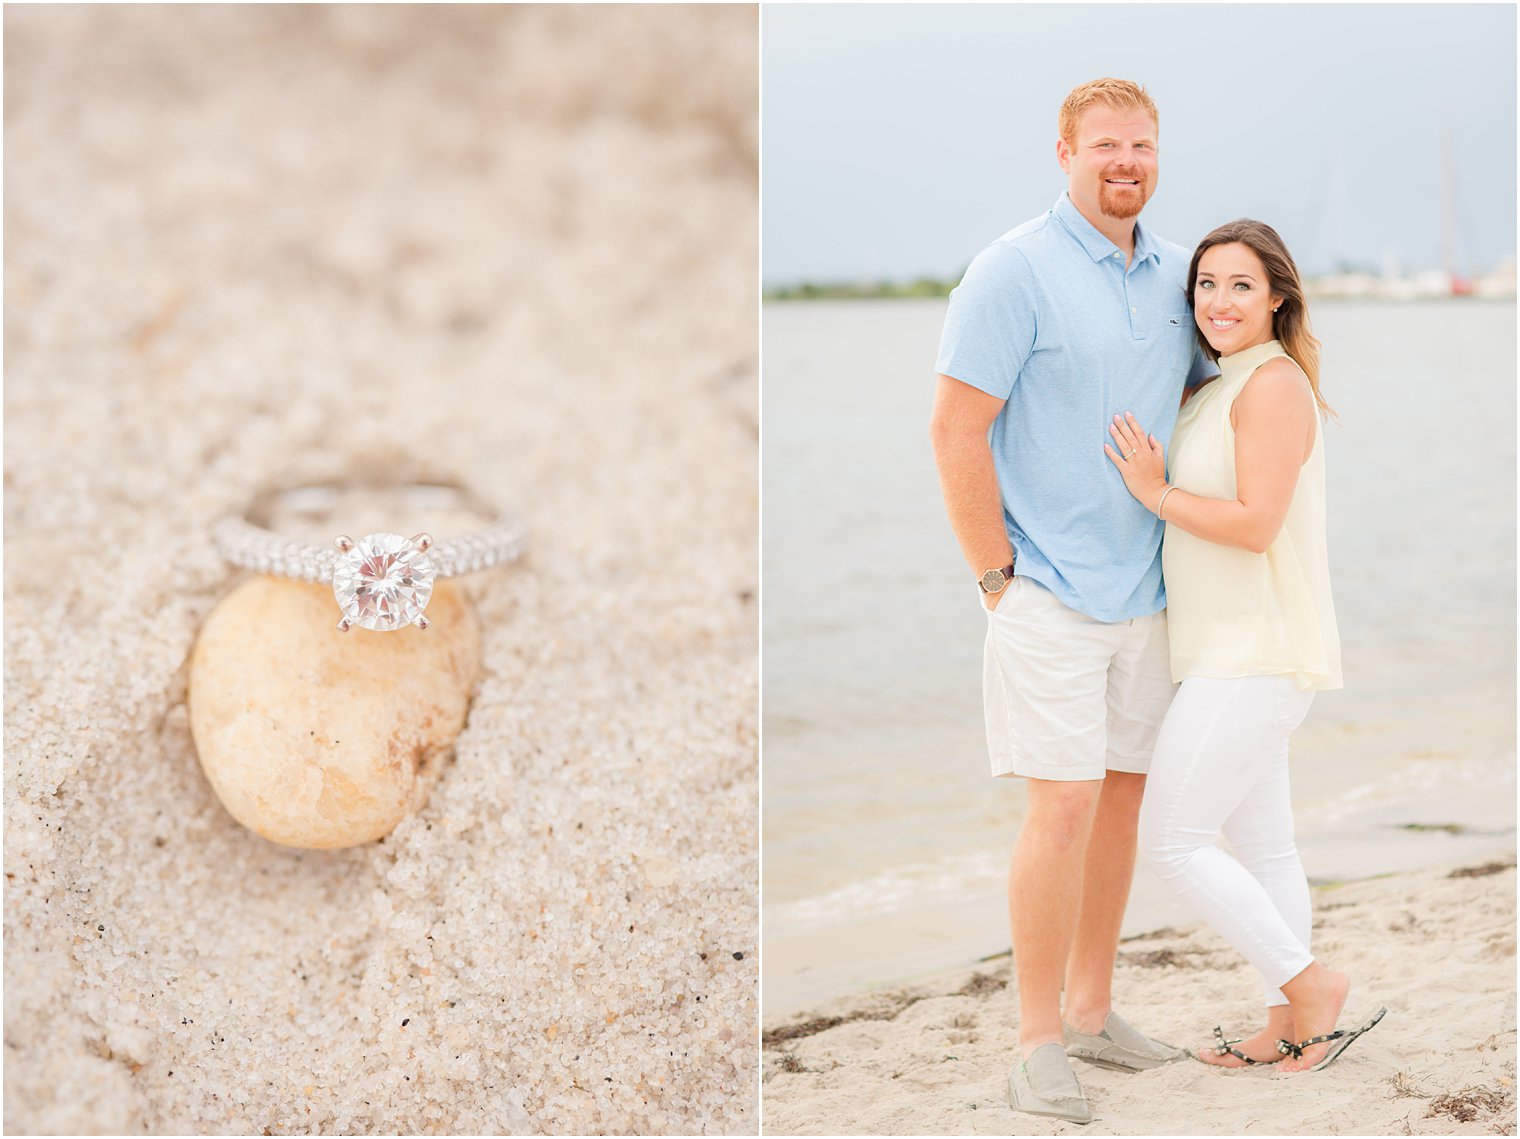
316, 738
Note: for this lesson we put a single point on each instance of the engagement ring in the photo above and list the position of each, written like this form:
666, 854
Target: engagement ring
383, 580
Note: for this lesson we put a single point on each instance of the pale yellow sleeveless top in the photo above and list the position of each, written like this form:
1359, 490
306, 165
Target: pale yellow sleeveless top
1231, 612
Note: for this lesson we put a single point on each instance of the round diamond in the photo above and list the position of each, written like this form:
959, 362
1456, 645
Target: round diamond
383, 582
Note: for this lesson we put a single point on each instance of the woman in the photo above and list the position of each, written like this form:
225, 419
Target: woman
1253, 633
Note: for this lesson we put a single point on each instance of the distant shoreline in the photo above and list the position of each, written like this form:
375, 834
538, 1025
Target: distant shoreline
860, 290
929, 290
1352, 285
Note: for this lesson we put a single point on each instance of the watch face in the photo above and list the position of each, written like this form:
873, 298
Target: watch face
993, 580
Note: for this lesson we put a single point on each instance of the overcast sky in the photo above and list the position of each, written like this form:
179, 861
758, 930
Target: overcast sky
901, 139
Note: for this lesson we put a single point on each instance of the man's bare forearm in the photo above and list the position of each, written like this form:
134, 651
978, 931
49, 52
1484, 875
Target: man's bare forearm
969, 484
967, 477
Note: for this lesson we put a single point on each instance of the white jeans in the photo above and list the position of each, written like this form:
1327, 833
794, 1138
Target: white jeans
1221, 765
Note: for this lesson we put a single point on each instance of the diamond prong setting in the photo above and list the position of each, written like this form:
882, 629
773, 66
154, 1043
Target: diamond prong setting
383, 581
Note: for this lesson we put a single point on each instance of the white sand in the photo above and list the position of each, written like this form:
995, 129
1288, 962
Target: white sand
1439, 952
247, 246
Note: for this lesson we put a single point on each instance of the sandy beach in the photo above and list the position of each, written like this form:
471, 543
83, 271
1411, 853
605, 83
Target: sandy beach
251, 247
1437, 947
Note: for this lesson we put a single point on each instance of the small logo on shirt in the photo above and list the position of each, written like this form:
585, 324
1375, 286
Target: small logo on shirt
1174, 320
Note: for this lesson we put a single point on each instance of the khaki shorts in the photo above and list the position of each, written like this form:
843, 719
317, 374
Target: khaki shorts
1068, 697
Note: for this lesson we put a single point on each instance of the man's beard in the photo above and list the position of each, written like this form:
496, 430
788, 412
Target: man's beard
1121, 204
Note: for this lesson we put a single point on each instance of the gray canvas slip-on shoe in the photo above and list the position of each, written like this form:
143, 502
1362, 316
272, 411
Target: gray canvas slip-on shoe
1044, 1084
1119, 1046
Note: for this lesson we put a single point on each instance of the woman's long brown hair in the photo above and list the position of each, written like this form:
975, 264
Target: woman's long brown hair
1290, 323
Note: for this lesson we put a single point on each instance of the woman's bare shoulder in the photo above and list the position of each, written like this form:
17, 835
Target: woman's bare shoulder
1279, 381
1277, 396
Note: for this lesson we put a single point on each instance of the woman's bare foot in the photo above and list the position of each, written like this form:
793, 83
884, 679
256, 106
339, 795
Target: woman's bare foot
1317, 996
1262, 1047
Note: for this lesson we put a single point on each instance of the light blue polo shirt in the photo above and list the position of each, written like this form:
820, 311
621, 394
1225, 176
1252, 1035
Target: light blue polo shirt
1049, 319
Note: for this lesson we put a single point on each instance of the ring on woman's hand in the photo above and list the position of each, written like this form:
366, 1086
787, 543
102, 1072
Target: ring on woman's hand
1136, 451
381, 581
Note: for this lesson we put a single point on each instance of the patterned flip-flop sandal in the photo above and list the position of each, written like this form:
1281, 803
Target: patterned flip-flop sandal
1342, 1039
1224, 1049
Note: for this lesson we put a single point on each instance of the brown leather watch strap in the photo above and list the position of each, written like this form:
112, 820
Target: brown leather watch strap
1006, 571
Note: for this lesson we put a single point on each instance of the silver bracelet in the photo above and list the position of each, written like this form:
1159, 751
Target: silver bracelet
1162, 503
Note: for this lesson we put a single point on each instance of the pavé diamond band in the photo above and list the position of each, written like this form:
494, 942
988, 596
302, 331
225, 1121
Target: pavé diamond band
383, 580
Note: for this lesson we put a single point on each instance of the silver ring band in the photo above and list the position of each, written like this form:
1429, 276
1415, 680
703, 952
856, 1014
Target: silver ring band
382, 580
247, 541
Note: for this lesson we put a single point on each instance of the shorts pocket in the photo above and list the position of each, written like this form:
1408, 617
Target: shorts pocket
1003, 600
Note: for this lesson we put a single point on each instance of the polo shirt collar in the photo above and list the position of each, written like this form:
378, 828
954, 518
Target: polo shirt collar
1145, 247
1097, 246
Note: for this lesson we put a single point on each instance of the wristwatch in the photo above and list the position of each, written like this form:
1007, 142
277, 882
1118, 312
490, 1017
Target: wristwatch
996, 580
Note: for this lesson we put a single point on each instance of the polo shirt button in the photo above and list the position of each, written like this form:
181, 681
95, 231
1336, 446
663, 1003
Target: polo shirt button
1134, 310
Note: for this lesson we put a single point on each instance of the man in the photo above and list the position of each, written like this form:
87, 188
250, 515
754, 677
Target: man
1059, 325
